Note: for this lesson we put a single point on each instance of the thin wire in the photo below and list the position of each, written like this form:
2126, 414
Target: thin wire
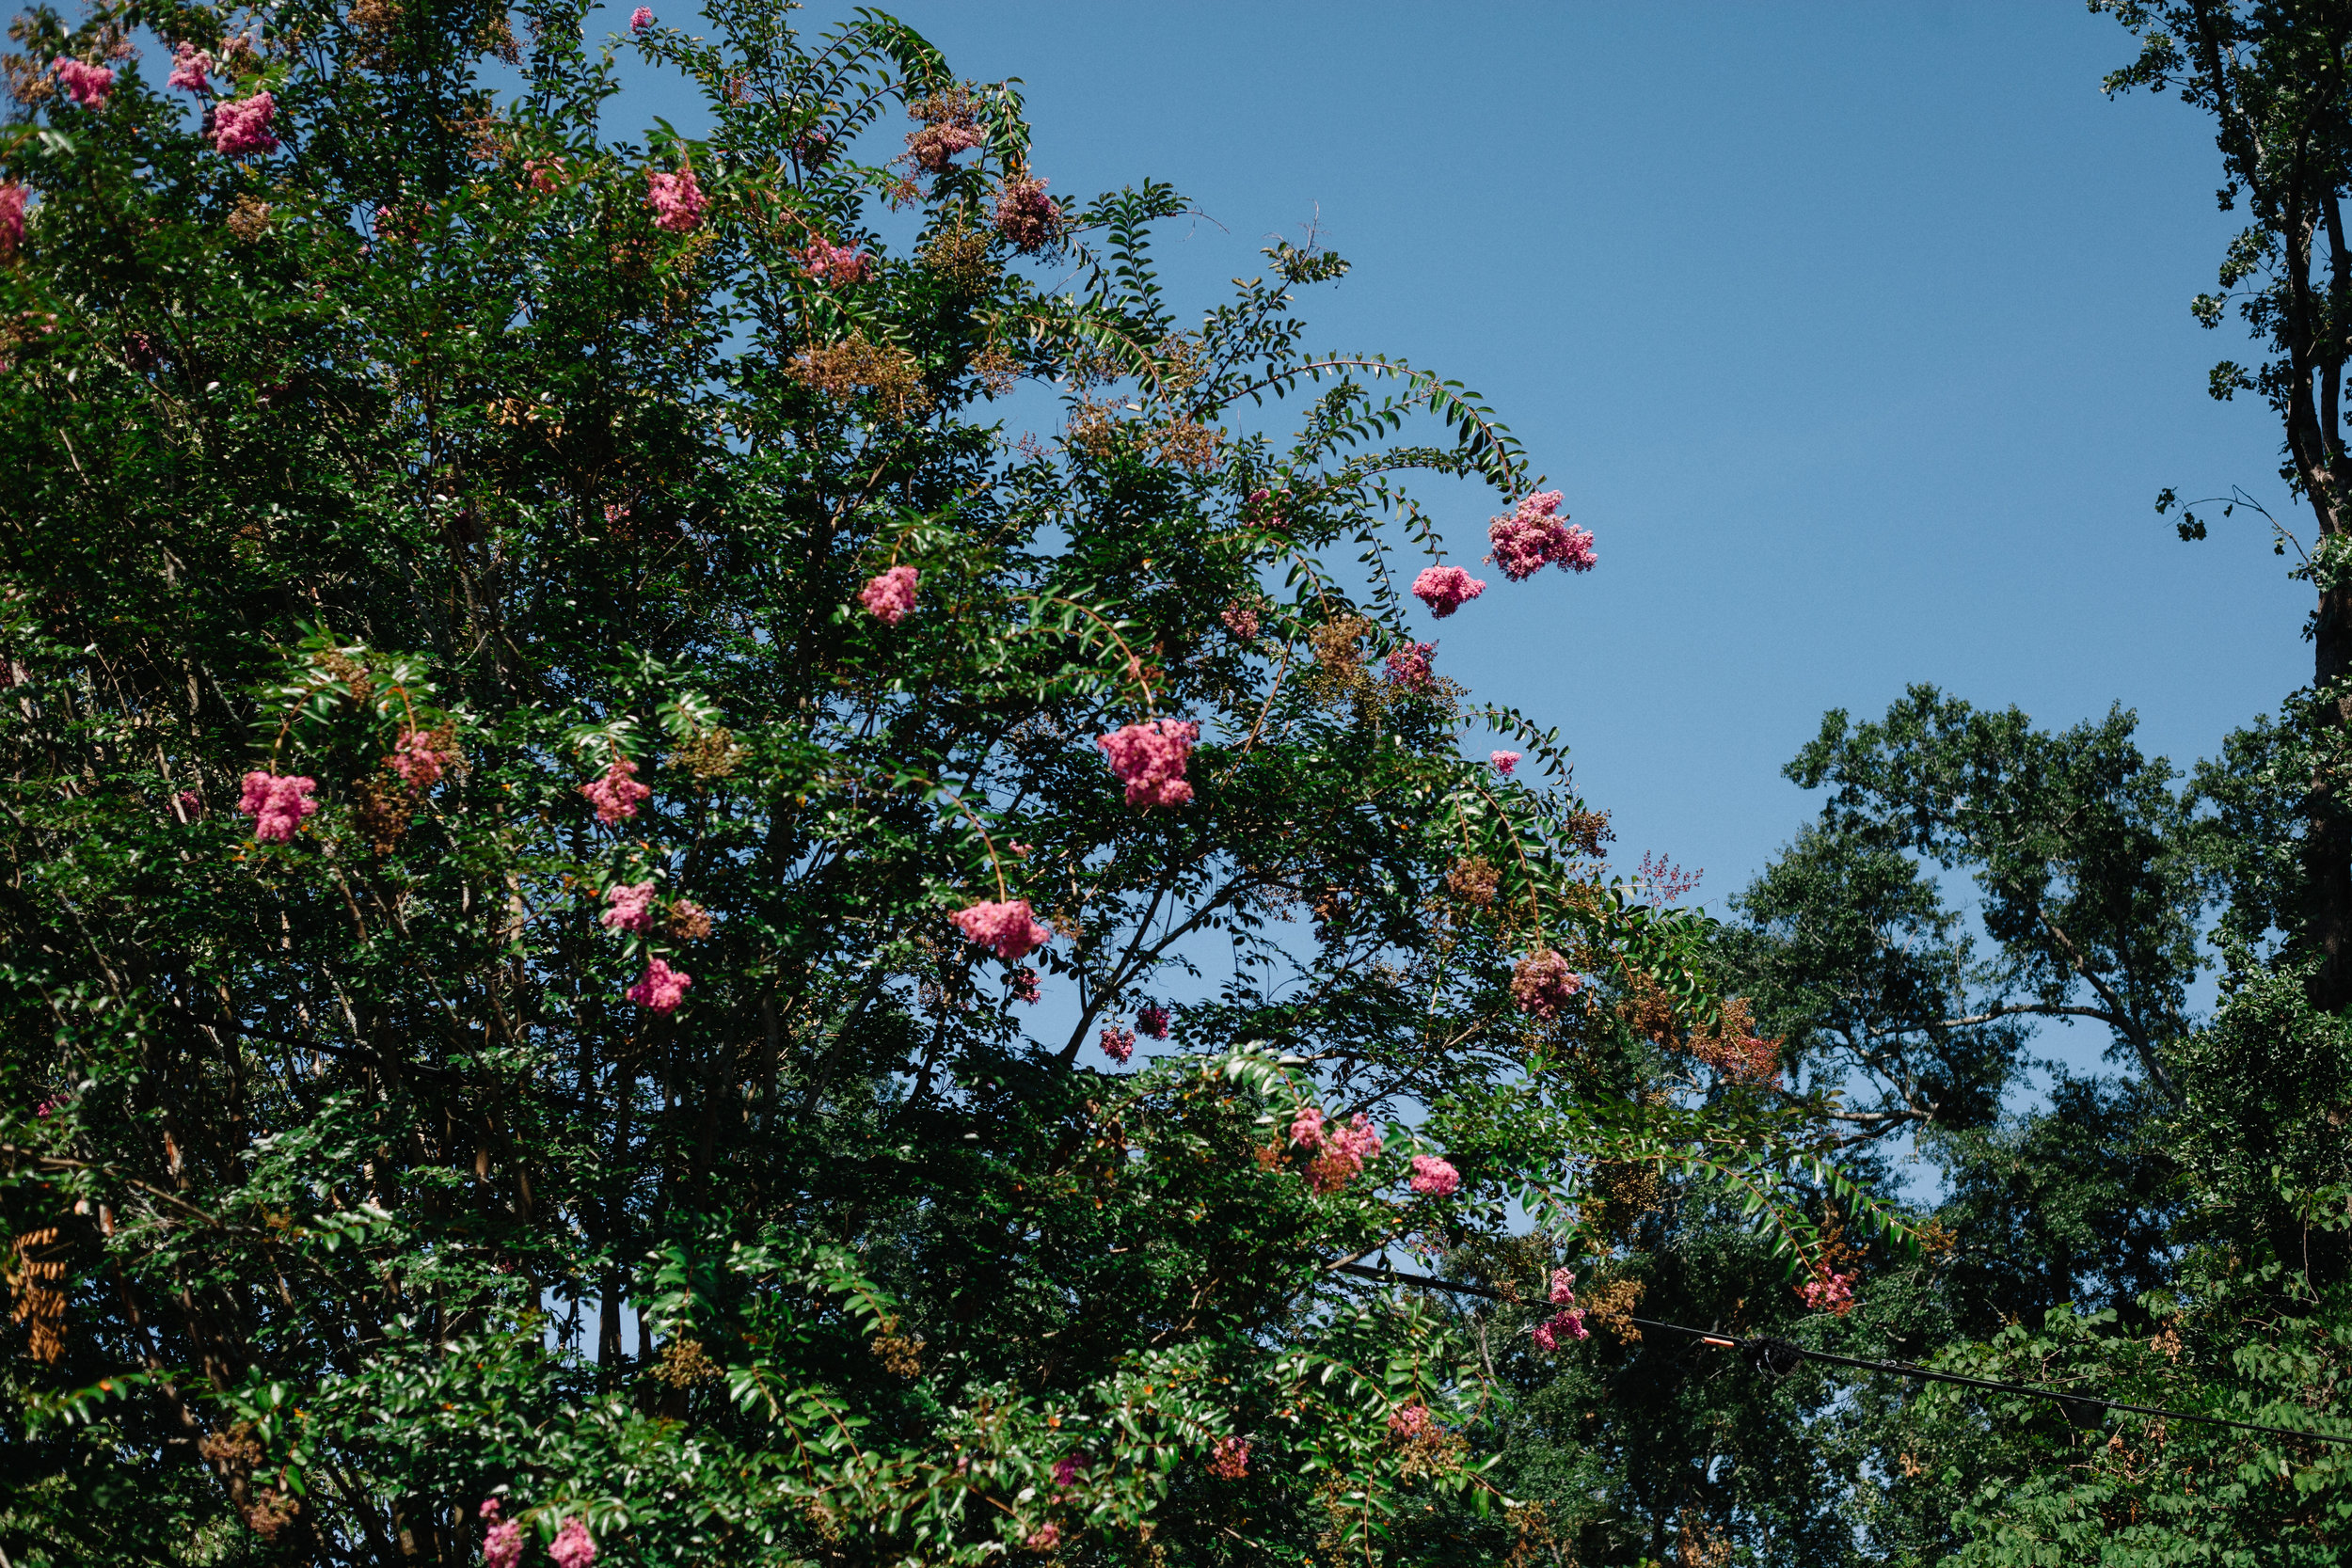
1765, 1349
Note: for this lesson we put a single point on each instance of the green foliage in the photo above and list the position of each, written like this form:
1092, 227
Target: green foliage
358, 1172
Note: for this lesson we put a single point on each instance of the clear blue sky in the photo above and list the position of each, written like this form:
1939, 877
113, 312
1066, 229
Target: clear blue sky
1856, 333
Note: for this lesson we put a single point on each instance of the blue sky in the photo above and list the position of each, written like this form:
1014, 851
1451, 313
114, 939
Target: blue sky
1858, 334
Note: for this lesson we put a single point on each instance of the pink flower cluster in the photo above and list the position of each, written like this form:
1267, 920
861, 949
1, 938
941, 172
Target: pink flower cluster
1152, 1023
1408, 668
1530, 537
836, 264
615, 795
1570, 1321
934, 147
502, 1545
415, 760
1446, 589
277, 804
889, 597
1028, 216
1434, 1177
546, 174
1340, 1151
572, 1547
1008, 928
1230, 1460
1066, 1470
641, 19
11, 220
242, 125
87, 85
660, 989
631, 907
1409, 1423
1543, 984
1151, 758
1242, 621
189, 65
677, 200
1024, 985
1119, 1044
1829, 1292
1505, 761
1745, 1060
1045, 1537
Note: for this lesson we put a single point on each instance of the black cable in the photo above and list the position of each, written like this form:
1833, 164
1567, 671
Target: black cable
1779, 1357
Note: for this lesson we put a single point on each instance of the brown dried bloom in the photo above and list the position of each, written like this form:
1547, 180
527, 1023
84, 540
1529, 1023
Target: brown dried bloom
959, 254
271, 1511
1649, 1011
683, 1365
998, 369
841, 371
713, 754
1187, 444
900, 1355
1338, 669
951, 125
248, 220
232, 1452
1616, 1195
39, 1297
1094, 430
381, 808
354, 674
1587, 830
689, 921
1473, 882
1611, 1307
29, 83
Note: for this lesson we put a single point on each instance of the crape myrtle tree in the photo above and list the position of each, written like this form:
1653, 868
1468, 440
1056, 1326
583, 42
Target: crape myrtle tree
556, 752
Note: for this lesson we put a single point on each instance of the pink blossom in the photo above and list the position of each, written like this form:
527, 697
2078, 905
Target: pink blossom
889, 597
677, 200
1152, 1023
188, 66
935, 146
546, 174
1504, 761
1045, 1538
632, 906
414, 759
1434, 1177
1024, 985
1307, 1129
1242, 621
1119, 1044
1571, 1323
502, 1547
191, 803
616, 794
1408, 668
1344, 1151
641, 19
1028, 216
1563, 1292
1543, 984
571, 1547
1066, 1470
1530, 537
1446, 589
277, 804
1829, 1292
12, 219
660, 990
1020, 849
242, 125
1230, 1461
1008, 927
87, 85
836, 264
1151, 759
1409, 1422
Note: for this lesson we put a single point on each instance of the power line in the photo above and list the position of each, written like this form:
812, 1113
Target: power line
1779, 1357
